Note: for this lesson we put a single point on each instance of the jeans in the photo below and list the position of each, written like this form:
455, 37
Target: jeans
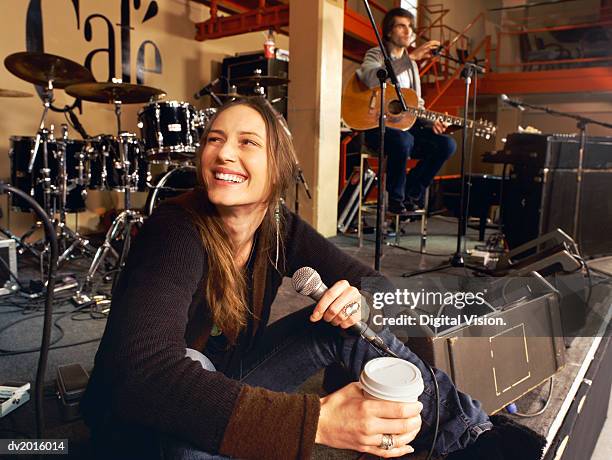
293, 349
419, 142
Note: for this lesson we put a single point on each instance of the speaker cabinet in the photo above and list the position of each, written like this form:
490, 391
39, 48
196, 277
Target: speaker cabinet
536, 205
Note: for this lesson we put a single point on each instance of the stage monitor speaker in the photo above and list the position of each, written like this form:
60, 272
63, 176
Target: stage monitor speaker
498, 364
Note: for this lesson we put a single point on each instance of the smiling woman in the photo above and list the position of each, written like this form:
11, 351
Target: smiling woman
188, 366
234, 160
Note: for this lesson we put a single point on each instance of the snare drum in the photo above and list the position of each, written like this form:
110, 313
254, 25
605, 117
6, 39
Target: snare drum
106, 170
169, 131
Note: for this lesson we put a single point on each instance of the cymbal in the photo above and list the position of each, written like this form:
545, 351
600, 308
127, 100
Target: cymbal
108, 92
232, 96
13, 93
40, 68
261, 80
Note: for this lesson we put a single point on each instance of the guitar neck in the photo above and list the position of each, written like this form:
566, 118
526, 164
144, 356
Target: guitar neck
430, 115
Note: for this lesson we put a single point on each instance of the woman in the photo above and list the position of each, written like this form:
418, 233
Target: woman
188, 367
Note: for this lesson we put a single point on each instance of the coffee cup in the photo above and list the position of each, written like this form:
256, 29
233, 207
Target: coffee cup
391, 379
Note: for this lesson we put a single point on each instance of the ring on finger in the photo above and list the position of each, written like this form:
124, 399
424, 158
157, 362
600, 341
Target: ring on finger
350, 309
387, 442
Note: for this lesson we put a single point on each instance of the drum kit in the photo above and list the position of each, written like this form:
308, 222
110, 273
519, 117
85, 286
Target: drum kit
57, 171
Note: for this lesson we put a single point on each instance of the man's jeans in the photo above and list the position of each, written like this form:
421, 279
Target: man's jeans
293, 349
419, 142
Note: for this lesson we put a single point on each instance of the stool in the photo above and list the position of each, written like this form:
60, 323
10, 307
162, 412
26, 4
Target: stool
369, 154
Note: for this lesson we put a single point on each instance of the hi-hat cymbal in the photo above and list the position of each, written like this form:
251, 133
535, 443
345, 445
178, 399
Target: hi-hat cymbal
40, 68
261, 80
232, 96
108, 92
13, 93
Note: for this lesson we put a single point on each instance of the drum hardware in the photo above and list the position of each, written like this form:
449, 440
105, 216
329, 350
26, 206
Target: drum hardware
257, 79
50, 72
116, 93
221, 98
168, 178
22, 244
65, 233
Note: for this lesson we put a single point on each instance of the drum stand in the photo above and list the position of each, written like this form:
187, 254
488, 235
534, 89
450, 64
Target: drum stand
64, 233
22, 245
121, 227
68, 239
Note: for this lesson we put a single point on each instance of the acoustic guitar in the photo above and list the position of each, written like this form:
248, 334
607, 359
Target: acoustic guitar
361, 110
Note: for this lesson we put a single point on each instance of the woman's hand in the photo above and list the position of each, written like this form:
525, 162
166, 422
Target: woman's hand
350, 421
340, 305
424, 51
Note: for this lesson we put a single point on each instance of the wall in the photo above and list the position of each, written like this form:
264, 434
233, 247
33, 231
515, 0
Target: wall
186, 66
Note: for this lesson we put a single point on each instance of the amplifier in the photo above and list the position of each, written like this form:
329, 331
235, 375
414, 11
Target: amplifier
536, 205
552, 151
541, 194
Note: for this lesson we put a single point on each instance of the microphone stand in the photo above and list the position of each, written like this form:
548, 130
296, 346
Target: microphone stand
382, 74
300, 179
581, 124
470, 70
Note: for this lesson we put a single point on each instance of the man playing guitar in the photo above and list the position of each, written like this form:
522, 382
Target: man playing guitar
425, 141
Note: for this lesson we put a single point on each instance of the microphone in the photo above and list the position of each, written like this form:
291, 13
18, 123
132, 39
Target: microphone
308, 282
437, 50
506, 100
206, 89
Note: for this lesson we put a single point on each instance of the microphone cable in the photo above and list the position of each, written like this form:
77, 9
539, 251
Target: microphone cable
48, 314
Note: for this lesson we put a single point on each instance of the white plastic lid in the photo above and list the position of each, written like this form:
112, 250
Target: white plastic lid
392, 379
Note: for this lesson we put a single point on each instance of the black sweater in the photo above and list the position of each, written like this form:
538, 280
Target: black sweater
141, 377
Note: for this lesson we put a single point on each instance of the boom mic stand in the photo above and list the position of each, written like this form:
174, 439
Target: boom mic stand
470, 69
383, 74
581, 124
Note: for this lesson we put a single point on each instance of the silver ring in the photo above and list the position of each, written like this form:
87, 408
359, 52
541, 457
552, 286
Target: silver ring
350, 309
387, 442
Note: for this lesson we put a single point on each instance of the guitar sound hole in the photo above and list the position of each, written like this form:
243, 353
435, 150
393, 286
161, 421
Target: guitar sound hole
395, 107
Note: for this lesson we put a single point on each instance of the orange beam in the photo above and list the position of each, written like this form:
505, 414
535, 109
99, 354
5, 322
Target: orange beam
576, 80
358, 26
272, 17
555, 61
584, 25
592, 79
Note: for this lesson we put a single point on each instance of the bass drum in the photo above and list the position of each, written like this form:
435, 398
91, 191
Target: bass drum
170, 184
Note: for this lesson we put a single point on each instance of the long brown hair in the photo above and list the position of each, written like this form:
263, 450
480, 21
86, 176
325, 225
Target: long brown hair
225, 284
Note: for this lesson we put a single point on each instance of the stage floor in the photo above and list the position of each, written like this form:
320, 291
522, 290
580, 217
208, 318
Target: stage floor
81, 327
